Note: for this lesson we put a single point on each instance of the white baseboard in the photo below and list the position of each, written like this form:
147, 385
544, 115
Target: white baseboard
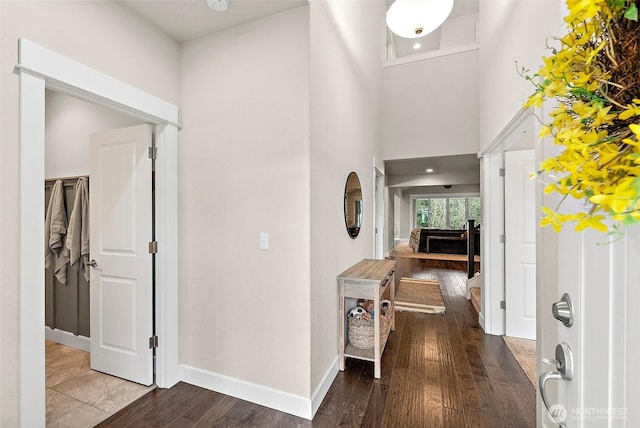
62, 337
259, 394
323, 388
481, 321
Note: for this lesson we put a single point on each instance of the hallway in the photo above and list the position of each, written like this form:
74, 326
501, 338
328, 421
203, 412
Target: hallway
437, 370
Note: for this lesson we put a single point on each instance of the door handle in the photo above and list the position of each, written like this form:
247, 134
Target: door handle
563, 310
564, 371
93, 263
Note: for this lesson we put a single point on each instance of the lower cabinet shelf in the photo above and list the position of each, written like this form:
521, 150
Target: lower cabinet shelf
361, 354
369, 280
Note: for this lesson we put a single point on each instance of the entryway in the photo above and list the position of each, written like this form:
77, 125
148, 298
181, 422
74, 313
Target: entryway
40, 68
509, 230
110, 316
437, 370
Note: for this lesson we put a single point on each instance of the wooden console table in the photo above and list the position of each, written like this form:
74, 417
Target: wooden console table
368, 279
444, 238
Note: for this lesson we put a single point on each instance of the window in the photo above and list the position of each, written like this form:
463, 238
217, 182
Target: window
446, 213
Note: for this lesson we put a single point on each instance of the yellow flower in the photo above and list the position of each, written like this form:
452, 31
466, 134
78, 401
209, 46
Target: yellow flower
598, 162
552, 218
594, 222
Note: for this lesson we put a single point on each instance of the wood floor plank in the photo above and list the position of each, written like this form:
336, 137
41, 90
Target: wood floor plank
473, 415
217, 414
437, 370
452, 418
375, 407
431, 395
449, 387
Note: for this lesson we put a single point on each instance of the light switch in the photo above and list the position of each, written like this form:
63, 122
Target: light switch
264, 241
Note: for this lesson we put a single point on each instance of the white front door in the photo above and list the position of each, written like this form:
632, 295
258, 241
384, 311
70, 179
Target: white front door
121, 229
520, 245
602, 281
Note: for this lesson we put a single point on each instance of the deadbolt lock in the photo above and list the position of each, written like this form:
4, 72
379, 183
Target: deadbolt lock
563, 310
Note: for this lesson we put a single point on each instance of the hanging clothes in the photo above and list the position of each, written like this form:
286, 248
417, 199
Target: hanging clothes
79, 233
56, 255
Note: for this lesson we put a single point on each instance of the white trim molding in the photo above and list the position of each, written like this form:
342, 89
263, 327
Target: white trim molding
493, 317
322, 389
62, 337
275, 399
68, 76
432, 54
41, 68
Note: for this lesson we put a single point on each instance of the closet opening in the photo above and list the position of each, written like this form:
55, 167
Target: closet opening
80, 385
38, 69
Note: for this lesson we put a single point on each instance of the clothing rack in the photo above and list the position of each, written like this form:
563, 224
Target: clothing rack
66, 181
67, 307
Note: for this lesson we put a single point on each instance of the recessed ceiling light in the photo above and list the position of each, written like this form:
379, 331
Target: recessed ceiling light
429, 170
417, 46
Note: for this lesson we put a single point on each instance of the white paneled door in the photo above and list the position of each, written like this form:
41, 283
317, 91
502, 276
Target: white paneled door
520, 245
121, 229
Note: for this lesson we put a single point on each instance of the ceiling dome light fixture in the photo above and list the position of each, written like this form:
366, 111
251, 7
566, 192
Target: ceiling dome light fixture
417, 18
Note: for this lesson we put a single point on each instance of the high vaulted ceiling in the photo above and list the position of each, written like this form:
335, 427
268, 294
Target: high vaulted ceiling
189, 19
185, 20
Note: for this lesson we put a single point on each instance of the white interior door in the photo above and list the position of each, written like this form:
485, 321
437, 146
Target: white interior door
520, 245
121, 229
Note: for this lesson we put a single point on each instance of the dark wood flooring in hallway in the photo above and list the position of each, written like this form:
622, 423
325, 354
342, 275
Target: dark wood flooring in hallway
437, 371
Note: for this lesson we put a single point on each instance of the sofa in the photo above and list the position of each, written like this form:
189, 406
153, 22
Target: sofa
449, 241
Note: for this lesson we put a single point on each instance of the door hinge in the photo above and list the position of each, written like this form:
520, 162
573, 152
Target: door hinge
503, 239
153, 342
503, 304
153, 247
501, 172
153, 153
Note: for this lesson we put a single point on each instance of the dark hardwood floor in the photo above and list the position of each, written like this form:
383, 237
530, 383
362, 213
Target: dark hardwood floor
437, 370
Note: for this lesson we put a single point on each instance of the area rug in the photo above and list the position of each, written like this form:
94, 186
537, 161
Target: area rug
419, 295
524, 351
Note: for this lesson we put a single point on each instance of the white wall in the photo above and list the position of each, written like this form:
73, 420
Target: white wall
244, 169
404, 221
102, 35
8, 404
347, 48
431, 107
458, 31
511, 31
69, 123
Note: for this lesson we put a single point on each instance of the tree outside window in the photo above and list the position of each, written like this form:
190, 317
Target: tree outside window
446, 213
473, 209
422, 213
438, 213
457, 213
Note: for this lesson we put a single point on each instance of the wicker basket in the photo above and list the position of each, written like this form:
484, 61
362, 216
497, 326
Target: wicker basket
361, 331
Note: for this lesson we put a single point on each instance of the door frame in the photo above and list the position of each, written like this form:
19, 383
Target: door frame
40, 68
492, 317
378, 214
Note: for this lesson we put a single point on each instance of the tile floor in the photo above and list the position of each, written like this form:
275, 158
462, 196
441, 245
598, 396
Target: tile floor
78, 396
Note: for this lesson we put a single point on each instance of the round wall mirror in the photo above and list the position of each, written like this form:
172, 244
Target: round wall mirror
353, 205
